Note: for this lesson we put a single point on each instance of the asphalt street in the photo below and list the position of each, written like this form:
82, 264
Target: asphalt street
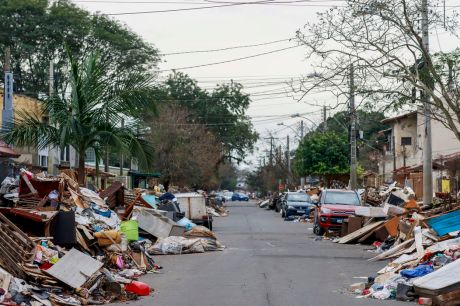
267, 261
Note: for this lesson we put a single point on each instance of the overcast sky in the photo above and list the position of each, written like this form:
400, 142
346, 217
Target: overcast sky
235, 26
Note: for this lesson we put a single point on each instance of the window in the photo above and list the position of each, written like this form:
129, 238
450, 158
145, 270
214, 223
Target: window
298, 197
43, 160
343, 198
406, 141
90, 156
65, 156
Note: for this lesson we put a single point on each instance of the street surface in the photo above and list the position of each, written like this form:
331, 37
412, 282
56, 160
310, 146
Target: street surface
268, 261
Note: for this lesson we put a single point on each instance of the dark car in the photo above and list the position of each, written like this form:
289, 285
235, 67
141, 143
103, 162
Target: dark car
296, 204
334, 206
239, 197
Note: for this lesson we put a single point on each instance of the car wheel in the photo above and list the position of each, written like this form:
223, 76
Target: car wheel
318, 230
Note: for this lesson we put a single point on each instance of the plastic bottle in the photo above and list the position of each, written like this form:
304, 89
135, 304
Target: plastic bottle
124, 243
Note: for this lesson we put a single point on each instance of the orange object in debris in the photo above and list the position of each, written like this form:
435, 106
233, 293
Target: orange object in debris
411, 204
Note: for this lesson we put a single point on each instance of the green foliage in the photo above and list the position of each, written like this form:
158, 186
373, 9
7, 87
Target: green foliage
222, 110
322, 154
90, 117
37, 32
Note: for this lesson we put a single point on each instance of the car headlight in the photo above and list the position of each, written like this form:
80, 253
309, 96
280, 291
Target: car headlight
325, 211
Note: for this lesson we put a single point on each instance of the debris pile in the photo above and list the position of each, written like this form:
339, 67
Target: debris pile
422, 244
64, 244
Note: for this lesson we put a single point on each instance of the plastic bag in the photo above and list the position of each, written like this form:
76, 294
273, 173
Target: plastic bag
383, 294
186, 223
417, 272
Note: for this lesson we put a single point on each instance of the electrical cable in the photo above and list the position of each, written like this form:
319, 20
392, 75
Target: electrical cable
227, 48
230, 61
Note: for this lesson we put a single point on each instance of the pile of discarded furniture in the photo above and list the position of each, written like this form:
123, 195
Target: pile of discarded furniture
421, 245
61, 243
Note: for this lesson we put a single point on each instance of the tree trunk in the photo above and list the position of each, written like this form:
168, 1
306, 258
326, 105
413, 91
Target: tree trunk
96, 154
81, 168
106, 168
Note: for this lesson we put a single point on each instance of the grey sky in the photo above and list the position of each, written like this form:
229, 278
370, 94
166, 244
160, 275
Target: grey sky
233, 26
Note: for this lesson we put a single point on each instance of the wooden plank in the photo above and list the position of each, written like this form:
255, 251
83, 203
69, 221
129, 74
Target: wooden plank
392, 226
359, 233
393, 250
419, 241
368, 235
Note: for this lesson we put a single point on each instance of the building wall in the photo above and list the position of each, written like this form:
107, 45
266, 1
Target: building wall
404, 127
23, 104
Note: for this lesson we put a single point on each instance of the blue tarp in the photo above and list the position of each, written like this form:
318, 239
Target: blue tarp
445, 224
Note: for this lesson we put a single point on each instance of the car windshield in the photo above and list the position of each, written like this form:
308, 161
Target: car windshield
298, 197
345, 198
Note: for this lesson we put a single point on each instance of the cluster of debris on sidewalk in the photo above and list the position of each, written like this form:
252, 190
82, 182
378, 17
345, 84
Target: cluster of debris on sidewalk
420, 243
63, 244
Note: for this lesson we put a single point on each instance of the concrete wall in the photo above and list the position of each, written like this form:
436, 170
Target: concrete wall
23, 104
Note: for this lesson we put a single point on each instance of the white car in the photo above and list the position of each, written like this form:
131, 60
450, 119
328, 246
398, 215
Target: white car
228, 196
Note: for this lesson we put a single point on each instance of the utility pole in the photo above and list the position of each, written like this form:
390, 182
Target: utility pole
50, 94
353, 166
7, 114
324, 119
122, 161
288, 156
271, 151
427, 144
301, 130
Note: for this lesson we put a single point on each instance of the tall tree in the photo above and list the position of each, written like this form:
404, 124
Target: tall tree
223, 110
38, 30
383, 41
323, 154
80, 119
186, 154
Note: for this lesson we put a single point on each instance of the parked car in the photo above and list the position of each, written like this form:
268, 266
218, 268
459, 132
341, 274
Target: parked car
296, 204
239, 197
334, 206
228, 195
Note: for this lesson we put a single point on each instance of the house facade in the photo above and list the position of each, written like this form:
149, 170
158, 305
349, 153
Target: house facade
403, 150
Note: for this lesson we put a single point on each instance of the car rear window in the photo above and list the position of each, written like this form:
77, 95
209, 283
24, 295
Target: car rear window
298, 197
345, 198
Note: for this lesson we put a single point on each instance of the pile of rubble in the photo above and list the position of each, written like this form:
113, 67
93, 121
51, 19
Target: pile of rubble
421, 243
64, 244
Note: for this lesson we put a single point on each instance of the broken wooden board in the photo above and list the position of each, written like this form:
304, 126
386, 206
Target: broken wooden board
361, 232
392, 226
74, 268
393, 250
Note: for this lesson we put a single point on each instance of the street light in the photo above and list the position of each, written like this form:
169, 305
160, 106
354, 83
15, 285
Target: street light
288, 126
308, 119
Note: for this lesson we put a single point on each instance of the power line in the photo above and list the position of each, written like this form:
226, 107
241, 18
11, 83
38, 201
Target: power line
232, 60
187, 9
227, 48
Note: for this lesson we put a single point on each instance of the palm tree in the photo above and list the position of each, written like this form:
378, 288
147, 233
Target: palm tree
89, 116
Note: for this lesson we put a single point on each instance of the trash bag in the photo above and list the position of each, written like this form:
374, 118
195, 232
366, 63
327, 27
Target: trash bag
186, 223
421, 270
